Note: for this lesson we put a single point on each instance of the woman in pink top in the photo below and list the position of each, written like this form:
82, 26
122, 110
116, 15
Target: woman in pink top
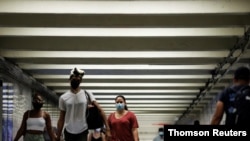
123, 123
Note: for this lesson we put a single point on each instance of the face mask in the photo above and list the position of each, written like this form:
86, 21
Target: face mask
37, 105
75, 83
98, 129
119, 106
161, 133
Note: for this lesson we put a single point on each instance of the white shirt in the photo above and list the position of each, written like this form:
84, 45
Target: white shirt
75, 106
37, 124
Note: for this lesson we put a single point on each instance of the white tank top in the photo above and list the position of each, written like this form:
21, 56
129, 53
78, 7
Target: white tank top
37, 124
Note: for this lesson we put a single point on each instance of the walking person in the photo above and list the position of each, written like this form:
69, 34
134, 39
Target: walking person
73, 104
34, 122
123, 123
160, 136
96, 135
226, 103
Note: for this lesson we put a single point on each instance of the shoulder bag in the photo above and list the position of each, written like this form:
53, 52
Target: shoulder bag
93, 115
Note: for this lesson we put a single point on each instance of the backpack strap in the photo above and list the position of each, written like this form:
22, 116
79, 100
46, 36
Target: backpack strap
88, 102
230, 96
88, 97
28, 113
244, 89
240, 102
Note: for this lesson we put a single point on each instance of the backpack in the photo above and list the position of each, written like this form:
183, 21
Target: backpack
242, 105
93, 115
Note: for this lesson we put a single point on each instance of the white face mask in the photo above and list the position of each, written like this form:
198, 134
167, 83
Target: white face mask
98, 129
119, 106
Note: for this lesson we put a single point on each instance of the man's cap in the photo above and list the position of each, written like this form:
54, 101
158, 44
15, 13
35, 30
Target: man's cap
77, 72
242, 73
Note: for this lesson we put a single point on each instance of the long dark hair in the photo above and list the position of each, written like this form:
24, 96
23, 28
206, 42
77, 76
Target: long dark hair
124, 99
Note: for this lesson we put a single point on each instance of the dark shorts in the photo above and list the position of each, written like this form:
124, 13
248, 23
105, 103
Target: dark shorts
75, 137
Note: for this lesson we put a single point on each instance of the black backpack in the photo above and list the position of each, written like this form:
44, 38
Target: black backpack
93, 115
242, 105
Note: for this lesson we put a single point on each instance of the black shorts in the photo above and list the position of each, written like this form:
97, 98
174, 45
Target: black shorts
76, 137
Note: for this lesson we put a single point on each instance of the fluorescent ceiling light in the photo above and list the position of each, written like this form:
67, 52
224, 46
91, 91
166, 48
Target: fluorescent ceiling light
122, 32
126, 7
113, 54
149, 109
156, 105
148, 101
117, 67
165, 116
134, 84
159, 116
147, 96
140, 91
130, 84
136, 112
129, 76
136, 91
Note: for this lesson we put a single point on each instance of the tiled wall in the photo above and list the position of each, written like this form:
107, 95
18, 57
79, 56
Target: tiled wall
16, 100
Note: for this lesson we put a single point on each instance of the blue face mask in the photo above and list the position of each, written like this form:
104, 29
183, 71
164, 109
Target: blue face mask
161, 133
119, 106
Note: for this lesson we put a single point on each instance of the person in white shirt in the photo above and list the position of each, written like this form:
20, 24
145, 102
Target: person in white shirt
73, 105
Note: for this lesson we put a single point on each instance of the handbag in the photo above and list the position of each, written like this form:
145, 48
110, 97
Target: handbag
93, 115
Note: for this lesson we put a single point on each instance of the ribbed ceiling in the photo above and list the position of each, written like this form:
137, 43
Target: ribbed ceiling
163, 56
